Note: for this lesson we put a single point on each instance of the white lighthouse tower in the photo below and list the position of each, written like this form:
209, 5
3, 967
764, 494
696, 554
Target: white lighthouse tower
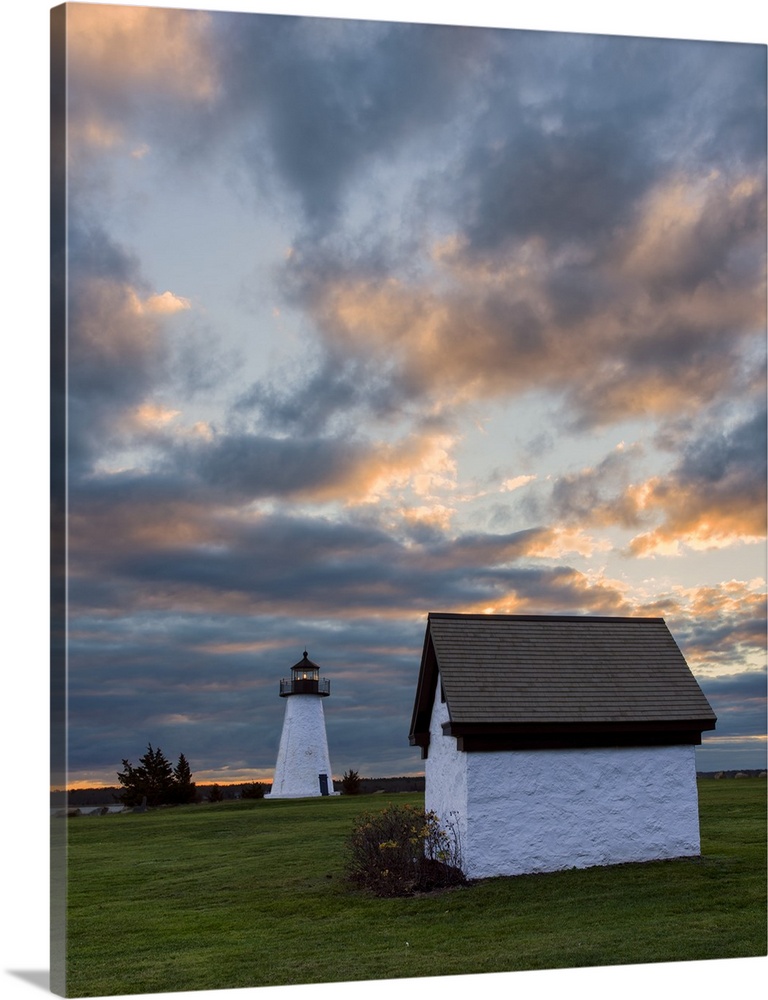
303, 767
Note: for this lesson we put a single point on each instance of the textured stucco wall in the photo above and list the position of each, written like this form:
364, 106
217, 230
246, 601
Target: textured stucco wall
545, 810
303, 753
445, 775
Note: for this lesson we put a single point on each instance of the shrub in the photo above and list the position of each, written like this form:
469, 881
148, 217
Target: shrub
253, 790
403, 850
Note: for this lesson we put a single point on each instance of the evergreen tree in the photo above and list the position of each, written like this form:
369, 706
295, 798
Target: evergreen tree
153, 778
160, 777
134, 782
350, 783
185, 789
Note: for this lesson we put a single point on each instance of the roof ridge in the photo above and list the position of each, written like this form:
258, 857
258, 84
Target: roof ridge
481, 616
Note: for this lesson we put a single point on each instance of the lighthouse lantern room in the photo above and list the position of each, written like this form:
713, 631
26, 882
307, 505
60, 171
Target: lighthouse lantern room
303, 768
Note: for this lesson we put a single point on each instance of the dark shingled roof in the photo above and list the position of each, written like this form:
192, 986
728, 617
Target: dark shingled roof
514, 681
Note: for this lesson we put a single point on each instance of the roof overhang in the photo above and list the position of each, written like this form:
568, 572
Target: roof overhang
475, 737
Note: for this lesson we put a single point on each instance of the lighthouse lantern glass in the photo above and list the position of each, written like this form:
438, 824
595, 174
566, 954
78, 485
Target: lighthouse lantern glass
306, 674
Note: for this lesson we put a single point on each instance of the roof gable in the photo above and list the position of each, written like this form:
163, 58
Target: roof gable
551, 680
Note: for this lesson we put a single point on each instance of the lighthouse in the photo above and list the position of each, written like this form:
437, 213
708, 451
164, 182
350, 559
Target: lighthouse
303, 768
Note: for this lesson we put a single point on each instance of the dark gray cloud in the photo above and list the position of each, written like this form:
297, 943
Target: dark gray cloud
113, 357
735, 455
600, 495
739, 701
746, 686
135, 550
249, 466
577, 130
333, 97
331, 396
718, 630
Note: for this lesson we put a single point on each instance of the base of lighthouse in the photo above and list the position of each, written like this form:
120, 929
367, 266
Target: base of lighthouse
303, 768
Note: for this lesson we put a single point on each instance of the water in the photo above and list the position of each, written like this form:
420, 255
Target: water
89, 810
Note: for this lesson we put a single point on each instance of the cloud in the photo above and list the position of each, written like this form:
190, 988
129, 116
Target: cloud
516, 482
135, 357
137, 77
247, 466
603, 494
165, 303
582, 247
739, 701
715, 495
579, 130
331, 100
151, 542
141, 49
116, 351
688, 229
476, 220
495, 326
721, 628
557, 542
152, 415
330, 393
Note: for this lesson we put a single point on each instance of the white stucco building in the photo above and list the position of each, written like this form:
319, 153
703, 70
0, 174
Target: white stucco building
303, 768
555, 742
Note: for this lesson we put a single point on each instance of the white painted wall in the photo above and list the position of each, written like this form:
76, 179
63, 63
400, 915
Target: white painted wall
445, 775
303, 753
536, 811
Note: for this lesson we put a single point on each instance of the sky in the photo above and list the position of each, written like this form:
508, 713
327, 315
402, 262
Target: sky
368, 319
23, 402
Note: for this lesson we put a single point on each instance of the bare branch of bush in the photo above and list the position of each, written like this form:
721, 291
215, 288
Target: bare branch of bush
403, 850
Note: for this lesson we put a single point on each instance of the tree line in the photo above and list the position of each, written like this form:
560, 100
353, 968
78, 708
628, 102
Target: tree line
155, 782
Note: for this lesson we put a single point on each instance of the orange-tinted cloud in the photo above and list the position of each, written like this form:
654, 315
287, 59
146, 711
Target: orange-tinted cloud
115, 526
113, 324
726, 516
685, 231
672, 300
123, 59
721, 628
163, 49
715, 495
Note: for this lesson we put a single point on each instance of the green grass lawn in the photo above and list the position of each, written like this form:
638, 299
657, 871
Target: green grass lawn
253, 893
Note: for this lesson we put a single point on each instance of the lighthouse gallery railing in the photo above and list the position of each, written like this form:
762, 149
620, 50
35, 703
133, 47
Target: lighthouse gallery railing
322, 687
